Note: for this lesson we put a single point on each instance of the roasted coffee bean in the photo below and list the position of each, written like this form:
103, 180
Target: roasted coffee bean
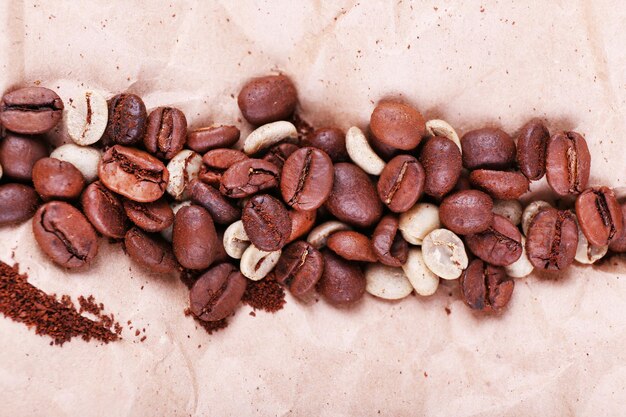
354, 199
552, 239
331, 140
150, 251
31, 110
134, 174
307, 179
529, 213
194, 238
503, 185
19, 153
127, 120
267, 99
266, 222
352, 246
342, 282
389, 246
57, 180
398, 125
299, 268
104, 210
486, 287
216, 162
617, 244
462, 184
222, 210
467, 212
166, 132
65, 235
599, 215
532, 143
401, 183
279, 153
488, 148
441, 159
301, 223
500, 245
217, 292
151, 217
18, 203
567, 163
212, 137
249, 177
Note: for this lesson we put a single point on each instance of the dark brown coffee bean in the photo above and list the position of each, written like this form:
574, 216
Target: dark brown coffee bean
500, 245
354, 199
567, 163
266, 222
299, 268
31, 110
398, 125
134, 174
216, 162
217, 292
194, 238
489, 148
222, 210
127, 120
19, 153
18, 203
279, 153
467, 212
441, 159
307, 179
352, 246
166, 132
532, 143
57, 180
389, 246
342, 282
599, 215
331, 140
104, 210
267, 99
65, 235
301, 223
212, 137
503, 185
249, 177
552, 239
151, 217
401, 183
486, 287
150, 251
617, 244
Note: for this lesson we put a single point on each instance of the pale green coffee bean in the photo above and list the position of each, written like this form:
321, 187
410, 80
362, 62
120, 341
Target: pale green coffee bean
444, 254
256, 263
84, 158
268, 135
183, 168
386, 282
362, 153
236, 240
87, 118
423, 280
419, 221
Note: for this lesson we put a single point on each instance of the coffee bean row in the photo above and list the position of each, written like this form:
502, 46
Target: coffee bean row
317, 210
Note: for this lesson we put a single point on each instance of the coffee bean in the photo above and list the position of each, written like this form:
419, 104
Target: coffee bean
65, 235
331, 140
398, 125
488, 148
57, 180
134, 174
18, 155
567, 163
217, 292
353, 199
617, 244
267, 99
279, 153
389, 246
509, 209
256, 264
249, 177
216, 162
422, 279
166, 132
401, 183
599, 215
87, 118
530, 212
150, 251
500, 245
212, 137
267, 222
387, 282
419, 221
127, 120
301, 223
85, 158
352, 246
486, 287
175, 206
320, 234
342, 282
444, 254
194, 238
552, 239
463, 183
299, 268
31, 110
18, 203
441, 159
183, 168
361, 153
104, 210
532, 143
503, 185
307, 179
522, 267
222, 210
151, 217
268, 135
236, 240
467, 212
586, 253
441, 128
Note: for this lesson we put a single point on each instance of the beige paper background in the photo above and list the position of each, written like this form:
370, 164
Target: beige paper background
557, 351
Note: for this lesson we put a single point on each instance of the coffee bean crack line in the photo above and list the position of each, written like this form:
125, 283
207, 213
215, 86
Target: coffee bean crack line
304, 174
61, 236
605, 213
142, 174
398, 181
165, 135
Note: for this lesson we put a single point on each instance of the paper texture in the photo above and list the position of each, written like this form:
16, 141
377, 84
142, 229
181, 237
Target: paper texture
557, 351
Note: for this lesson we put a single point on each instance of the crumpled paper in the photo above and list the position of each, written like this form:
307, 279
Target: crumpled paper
557, 351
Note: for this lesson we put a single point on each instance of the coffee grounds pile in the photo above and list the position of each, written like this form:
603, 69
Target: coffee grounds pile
57, 319
266, 294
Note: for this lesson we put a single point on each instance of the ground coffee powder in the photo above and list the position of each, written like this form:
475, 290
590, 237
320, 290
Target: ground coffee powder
266, 294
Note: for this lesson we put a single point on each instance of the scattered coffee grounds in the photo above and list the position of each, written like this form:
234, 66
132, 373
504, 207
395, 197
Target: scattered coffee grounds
209, 326
57, 319
266, 294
